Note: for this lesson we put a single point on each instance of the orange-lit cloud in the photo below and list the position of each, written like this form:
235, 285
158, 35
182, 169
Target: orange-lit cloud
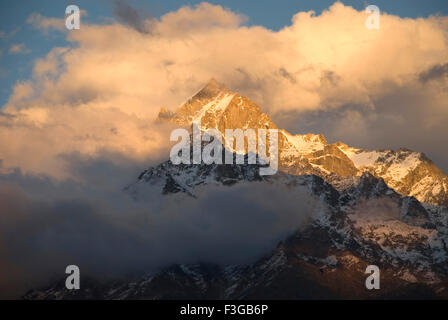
104, 92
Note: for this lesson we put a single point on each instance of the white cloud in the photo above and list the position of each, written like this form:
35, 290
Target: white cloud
46, 24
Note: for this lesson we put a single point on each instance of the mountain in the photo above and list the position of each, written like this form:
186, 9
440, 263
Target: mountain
407, 172
383, 207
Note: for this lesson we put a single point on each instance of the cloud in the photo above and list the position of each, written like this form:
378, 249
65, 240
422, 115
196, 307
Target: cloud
411, 116
107, 234
46, 24
204, 17
130, 16
19, 48
9, 35
434, 73
329, 64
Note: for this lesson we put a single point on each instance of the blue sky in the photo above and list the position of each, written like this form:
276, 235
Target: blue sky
271, 14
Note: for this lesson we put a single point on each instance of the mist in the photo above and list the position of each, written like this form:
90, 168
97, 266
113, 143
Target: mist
46, 225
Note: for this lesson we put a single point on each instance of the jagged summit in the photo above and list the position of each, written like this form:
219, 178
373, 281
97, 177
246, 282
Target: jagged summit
217, 107
210, 90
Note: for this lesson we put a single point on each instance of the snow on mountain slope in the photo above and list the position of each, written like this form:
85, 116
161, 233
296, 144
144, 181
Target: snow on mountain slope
217, 107
305, 144
391, 165
410, 173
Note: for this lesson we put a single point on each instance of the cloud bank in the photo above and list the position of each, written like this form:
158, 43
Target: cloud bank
107, 234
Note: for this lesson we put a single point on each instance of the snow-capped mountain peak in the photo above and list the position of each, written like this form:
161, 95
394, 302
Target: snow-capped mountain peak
409, 173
